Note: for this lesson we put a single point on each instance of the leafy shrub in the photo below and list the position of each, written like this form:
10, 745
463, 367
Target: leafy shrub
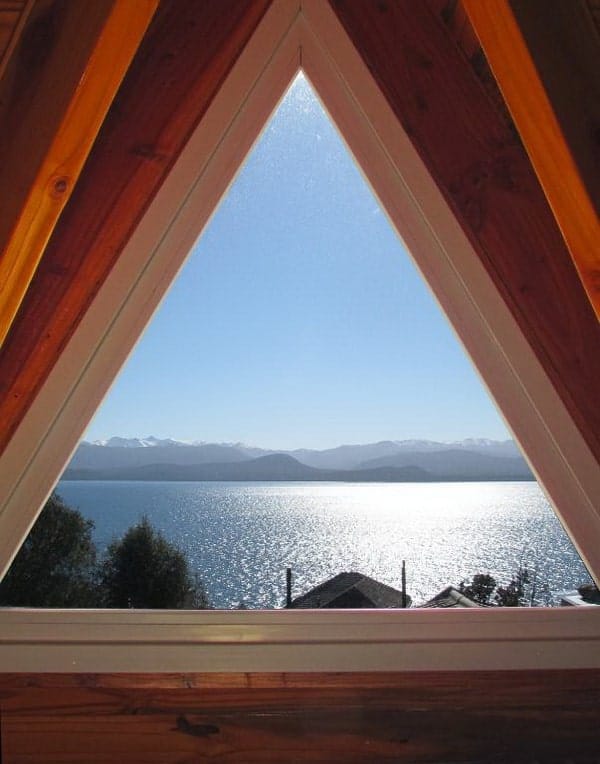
480, 589
522, 590
144, 570
56, 566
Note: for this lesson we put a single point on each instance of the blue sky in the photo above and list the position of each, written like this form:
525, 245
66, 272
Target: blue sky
299, 318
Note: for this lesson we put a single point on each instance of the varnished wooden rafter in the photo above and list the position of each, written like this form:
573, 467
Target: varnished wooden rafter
486, 176
188, 50
547, 64
82, 53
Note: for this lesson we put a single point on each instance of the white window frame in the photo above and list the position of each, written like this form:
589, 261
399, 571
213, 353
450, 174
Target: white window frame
293, 34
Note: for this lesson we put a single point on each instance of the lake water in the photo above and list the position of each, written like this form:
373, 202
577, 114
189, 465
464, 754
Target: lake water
240, 537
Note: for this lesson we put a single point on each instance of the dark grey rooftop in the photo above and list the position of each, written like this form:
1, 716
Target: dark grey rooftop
351, 590
589, 593
450, 597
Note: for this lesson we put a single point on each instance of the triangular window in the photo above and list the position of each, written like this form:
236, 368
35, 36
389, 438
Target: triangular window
299, 324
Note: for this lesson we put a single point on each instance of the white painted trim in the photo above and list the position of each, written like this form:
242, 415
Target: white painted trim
288, 640
355, 640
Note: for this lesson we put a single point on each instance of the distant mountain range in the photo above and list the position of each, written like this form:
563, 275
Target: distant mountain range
387, 461
270, 468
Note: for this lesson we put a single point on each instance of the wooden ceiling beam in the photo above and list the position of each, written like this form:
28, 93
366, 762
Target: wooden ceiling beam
478, 162
188, 50
546, 60
58, 86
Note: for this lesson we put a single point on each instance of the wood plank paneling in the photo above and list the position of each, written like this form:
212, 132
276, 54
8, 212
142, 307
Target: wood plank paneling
593, 7
548, 67
485, 175
454, 17
33, 98
8, 22
35, 91
53, 105
188, 50
564, 46
10, 15
429, 687
426, 717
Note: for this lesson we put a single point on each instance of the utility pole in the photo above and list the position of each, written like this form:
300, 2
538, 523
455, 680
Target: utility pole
288, 587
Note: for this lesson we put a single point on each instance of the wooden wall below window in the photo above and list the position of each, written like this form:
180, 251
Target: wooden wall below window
516, 716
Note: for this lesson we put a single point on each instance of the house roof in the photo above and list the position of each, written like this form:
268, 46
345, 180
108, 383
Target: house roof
351, 590
449, 597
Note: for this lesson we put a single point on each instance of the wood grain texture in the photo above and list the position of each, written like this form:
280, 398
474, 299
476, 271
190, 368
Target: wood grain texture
548, 68
8, 22
453, 15
438, 686
41, 80
564, 46
434, 717
593, 7
188, 50
10, 15
485, 175
45, 189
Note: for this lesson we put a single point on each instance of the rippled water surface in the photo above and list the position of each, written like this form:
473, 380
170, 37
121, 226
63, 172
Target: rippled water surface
240, 537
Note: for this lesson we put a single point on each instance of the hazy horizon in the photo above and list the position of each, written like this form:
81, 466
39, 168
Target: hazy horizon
199, 441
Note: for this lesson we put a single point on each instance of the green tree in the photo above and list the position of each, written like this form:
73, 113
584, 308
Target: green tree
480, 589
144, 570
55, 567
522, 590
514, 593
